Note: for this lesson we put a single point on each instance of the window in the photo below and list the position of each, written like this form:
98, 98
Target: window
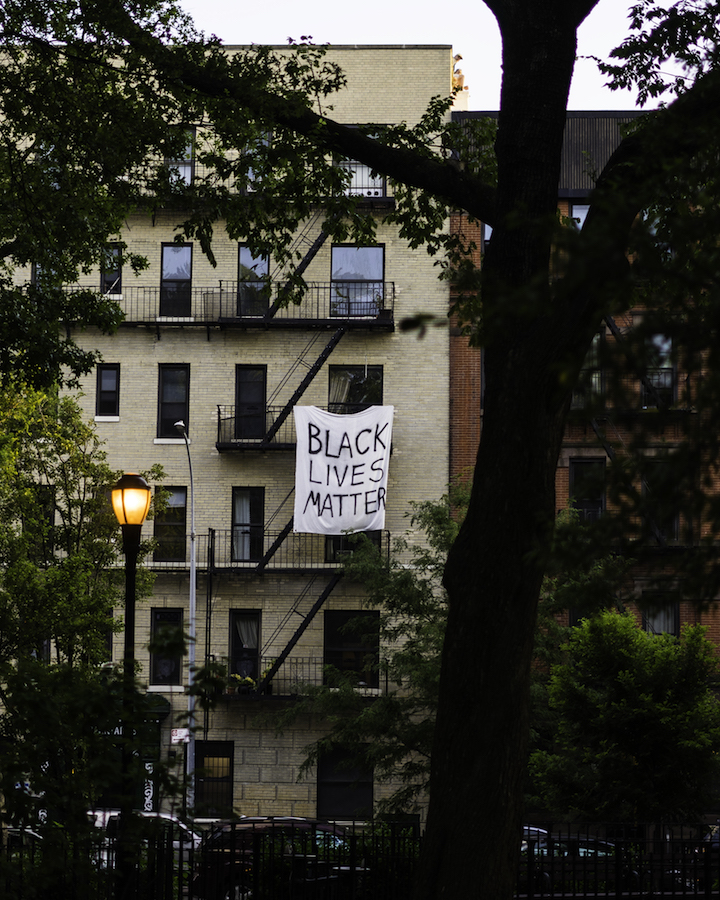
253, 284
353, 388
587, 488
250, 388
214, 779
344, 789
338, 546
660, 495
248, 510
661, 612
352, 644
244, 644
107, 394
486, 235
590, 381
176, 281
659, 387
173, 399
111, 270
256, 155
37, 515
363, 183
358, 287
166, 655
170, 527
184, 166
578, 213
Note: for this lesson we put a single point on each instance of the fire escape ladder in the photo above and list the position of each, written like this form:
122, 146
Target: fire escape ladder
303, 386
310, 255
270, 674
274, 547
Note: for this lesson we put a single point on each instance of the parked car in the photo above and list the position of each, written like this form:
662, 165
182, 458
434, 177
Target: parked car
307, 857
569, 863
151, 826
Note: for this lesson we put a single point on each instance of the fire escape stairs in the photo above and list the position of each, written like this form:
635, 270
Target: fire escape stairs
302, 387
271, 672
313, 247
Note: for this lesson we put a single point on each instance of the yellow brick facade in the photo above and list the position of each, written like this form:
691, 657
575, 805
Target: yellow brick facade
385, 85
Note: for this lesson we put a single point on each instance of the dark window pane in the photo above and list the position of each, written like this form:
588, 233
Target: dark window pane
354, 388
352, 644
344, 790
170, 527
176, 281
165, 663
173, 399
214, 780
250, 389
107, 397
253, 284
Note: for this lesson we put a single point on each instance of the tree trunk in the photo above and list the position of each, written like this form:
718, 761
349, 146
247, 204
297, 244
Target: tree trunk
494, 571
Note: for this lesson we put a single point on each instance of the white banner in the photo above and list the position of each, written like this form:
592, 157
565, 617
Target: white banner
341, 469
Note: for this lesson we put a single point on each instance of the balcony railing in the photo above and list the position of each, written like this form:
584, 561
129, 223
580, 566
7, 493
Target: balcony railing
246, 548
253, 304
298, 672
245, 427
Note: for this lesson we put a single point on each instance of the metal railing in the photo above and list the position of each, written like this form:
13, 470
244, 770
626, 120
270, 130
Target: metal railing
244, 548
298, 672
254, 303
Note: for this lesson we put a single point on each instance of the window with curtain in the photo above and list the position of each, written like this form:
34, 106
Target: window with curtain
353, 388
661, 612
245, 643
247, 523
357, 276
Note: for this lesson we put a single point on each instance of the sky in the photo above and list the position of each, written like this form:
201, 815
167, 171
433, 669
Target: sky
467, 25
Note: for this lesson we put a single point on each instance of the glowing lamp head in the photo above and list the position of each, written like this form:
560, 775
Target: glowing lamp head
131, 499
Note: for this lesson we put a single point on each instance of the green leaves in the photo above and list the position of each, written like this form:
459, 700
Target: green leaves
637, 724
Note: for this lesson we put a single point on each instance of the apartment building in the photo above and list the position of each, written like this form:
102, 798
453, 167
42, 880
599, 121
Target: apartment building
213, 347
653, 416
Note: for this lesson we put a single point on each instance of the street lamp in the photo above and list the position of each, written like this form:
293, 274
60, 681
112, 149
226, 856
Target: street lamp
190, 747
131, 502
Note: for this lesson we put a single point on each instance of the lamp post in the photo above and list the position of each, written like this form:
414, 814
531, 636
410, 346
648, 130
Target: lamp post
190, 747
131, 502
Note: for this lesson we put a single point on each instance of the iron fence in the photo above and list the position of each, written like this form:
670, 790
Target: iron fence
291, 859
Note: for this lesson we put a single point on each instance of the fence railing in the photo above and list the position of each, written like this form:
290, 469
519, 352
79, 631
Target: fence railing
356, 303
290, 859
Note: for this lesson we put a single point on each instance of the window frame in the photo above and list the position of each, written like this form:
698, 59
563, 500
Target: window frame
250, 411
166, 427
343, 790
357, 297
669, 525
253, 294
214, 793
589, 509
668, 611
107, 401
175, 292
111, 286
251, 532
173, 616
184, 164
352, 652
244, 659
659, 375
347, 406
167, 529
